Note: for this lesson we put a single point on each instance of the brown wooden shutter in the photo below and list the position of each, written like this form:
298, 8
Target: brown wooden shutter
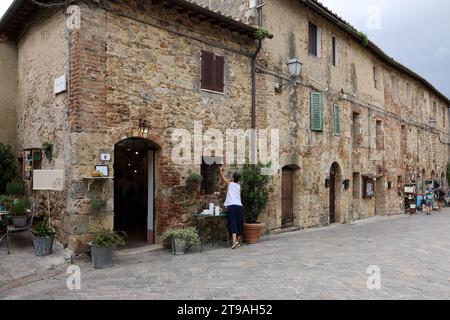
219, 74
207, 70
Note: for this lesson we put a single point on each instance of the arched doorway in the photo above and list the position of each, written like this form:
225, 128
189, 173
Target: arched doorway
287, 196
134, 190
335, 190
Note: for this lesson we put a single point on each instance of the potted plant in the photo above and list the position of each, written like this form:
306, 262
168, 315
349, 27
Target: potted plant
98, 206
43, 237
103, 246
19, 212
180, 240
255, 197
47, 147
193, 182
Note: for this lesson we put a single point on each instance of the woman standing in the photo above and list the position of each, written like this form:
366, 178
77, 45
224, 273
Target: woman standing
235, 208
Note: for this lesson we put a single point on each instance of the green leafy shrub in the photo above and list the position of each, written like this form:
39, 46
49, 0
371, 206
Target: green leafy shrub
109, 238
190, 235
19, 207
364, 38
43, 230
194, 177
7, 166
15, 188
255, 191
262, 34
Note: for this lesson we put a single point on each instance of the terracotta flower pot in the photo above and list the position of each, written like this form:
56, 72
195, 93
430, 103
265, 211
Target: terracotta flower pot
252, 232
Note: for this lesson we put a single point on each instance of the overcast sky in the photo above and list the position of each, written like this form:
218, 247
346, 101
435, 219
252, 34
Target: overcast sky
414, 32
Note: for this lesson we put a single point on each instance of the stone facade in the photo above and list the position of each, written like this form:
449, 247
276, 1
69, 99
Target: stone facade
401, 104
8, 86
133, 60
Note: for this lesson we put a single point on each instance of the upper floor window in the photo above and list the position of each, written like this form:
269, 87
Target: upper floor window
337, 120
212, 72
444, 118
376, 78
314, 39
335, 48
316, 111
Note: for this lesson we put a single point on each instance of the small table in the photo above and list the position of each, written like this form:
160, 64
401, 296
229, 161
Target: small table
215, 222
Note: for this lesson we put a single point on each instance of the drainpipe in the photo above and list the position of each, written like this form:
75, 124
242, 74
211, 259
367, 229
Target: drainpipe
254, 58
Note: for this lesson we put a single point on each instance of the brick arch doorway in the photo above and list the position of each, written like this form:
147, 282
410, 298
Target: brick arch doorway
335, 192
134, 189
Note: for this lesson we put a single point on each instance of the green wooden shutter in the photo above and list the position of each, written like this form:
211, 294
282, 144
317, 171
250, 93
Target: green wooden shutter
337, 124
316, 112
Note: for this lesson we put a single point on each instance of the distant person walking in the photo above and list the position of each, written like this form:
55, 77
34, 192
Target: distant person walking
235, 208
429, 199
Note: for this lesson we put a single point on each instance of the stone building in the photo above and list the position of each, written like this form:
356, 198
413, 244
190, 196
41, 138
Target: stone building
356, 127
379, 125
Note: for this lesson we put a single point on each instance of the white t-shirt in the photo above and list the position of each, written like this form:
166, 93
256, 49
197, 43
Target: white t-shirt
233, 195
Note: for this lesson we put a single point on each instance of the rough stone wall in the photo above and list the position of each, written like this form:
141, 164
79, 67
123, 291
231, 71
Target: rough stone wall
237, 9
41, 115
397, 101
8, 92
127, 65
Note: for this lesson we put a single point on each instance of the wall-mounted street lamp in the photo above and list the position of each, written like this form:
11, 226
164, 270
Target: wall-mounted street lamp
144, 127
295, 70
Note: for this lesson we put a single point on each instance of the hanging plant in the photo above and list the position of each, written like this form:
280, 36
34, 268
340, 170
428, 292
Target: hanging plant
262, 34
47, 147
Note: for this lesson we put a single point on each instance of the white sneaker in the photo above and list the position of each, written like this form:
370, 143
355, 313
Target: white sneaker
235, 245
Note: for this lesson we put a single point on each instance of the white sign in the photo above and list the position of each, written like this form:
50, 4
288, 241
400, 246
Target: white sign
48, 180
60, 85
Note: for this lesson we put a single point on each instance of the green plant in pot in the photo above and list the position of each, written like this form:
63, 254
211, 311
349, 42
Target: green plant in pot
19, 212
47, 147
103, 246
193, 181
180, 240
98, 206
255, 196
43, 237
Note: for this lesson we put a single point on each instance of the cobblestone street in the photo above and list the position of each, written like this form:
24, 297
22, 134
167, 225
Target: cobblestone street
413, 253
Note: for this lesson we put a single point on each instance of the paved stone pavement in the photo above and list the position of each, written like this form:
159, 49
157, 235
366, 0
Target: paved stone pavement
412, 252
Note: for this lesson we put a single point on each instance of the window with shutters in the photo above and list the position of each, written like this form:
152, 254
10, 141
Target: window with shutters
316, 111
337, 120
314, 39
335, 48
213, 74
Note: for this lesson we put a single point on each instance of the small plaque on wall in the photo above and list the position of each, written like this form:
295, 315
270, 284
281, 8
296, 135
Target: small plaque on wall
60, 85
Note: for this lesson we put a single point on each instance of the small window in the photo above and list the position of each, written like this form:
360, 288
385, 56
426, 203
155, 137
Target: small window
444, 118
356, 185
210, 180
379, 135
337, 120
335, 48
316, 111
212, 72
368, 188
375, 77
314, 39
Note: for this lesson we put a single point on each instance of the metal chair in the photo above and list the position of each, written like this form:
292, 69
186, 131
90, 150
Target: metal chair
27, 228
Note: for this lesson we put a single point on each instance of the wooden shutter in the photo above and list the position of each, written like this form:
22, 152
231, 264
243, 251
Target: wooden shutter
316, 112
337, 124
219, 66
207, 70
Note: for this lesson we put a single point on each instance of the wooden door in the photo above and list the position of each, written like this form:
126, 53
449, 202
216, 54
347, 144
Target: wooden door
287, 197
333, 196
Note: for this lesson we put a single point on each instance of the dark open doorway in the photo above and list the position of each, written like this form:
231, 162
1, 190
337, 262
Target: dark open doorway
335, 185
134, 168
287, 197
